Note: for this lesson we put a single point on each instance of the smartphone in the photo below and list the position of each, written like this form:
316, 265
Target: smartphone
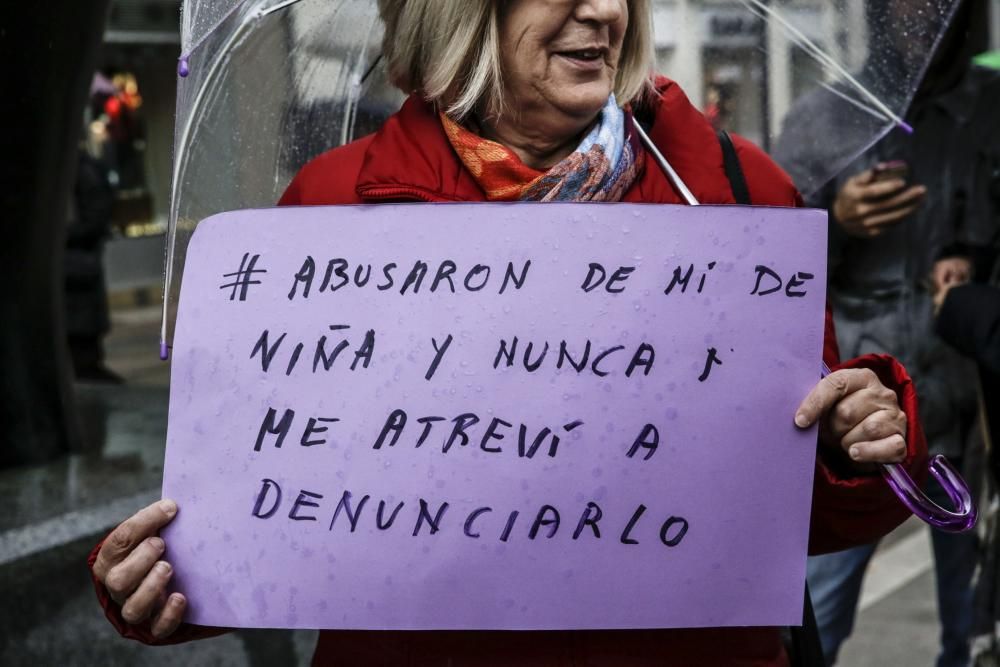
889, 171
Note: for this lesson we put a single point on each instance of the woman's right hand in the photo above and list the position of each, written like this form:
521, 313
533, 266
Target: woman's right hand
866, 207
131, 567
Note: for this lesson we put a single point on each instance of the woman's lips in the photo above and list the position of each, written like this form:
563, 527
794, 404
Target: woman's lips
587, 60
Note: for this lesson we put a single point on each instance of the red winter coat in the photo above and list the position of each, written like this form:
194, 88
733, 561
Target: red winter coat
410, 159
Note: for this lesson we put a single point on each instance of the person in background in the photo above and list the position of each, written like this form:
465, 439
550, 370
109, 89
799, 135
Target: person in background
968, 319
717, 106
905, 218
120, 113
86, 299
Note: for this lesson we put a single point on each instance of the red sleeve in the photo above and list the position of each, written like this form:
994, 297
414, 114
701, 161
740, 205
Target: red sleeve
141, 633
850, 510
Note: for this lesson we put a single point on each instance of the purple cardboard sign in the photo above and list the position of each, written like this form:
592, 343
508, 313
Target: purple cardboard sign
495, 416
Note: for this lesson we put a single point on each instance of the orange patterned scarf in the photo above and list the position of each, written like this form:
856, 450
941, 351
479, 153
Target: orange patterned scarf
602, 168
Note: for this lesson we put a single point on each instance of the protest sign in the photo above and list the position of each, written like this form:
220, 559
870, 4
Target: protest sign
495, 416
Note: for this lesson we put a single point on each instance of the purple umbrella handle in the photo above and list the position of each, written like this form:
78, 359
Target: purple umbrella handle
961, 520
925, 509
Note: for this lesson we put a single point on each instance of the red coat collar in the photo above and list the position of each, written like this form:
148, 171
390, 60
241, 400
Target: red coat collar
410, 156
410, 159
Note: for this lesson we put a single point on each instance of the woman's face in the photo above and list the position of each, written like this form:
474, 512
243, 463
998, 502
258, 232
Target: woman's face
561, 56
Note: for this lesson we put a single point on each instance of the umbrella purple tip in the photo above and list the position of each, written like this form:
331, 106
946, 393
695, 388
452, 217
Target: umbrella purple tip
164, 351
183, 67
906, 127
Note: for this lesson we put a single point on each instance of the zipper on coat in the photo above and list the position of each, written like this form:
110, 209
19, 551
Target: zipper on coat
392, 192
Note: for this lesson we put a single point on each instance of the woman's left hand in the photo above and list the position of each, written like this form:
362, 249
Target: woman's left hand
858, 414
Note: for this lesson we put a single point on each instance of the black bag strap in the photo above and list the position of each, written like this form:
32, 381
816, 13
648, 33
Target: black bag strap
803, 642
734, 171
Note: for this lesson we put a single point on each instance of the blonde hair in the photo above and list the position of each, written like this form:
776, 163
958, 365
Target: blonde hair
449, 52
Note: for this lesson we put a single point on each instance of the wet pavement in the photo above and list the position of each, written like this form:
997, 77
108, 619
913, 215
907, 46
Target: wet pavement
897, 622
57, 512
901, 629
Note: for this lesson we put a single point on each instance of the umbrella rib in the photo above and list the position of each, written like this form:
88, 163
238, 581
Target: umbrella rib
208, 33
807, 44
354, 98
371, 69
260, 14
180, 167
278, 7
667, 168
860, 105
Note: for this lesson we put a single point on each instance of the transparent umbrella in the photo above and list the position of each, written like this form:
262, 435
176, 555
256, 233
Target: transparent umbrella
265, 85
268, 84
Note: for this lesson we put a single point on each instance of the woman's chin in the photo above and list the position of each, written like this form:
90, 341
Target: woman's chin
583, 100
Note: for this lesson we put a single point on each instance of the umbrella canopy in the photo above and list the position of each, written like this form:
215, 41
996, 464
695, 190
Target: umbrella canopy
265, 86
829, 127
268, 84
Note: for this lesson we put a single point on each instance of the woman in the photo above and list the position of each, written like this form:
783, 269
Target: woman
519, 100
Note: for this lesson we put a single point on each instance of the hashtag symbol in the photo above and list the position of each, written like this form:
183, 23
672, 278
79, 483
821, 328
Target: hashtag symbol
243, 278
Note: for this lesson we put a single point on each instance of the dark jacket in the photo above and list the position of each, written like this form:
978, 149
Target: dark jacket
90, 225
410, 159
970, 321
878, 287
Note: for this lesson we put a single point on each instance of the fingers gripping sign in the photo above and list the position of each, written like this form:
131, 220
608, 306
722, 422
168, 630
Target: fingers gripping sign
130, 566
857, 414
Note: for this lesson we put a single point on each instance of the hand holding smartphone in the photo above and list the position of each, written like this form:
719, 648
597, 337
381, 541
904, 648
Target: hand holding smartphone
871, 202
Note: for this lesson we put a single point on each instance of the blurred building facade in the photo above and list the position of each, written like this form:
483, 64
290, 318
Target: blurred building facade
995, 24
142, 41
716, 50
141, 46
724, 58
